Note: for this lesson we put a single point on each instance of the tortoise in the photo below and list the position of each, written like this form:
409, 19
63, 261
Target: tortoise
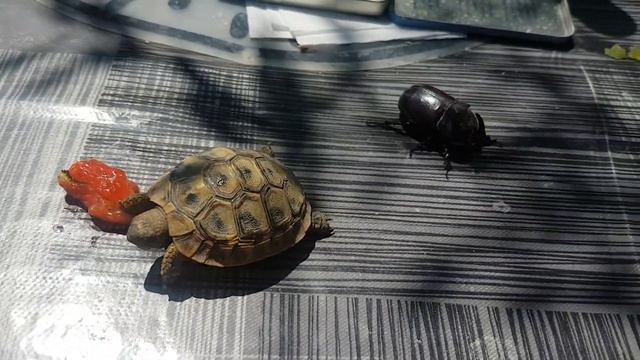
223, 207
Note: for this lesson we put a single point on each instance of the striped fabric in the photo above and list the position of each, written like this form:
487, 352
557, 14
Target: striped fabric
530, 252
46, 107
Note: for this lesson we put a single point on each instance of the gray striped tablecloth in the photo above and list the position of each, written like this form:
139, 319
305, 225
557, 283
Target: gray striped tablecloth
527, 253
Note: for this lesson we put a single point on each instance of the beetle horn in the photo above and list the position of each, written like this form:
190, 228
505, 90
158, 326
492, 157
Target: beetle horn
486, 141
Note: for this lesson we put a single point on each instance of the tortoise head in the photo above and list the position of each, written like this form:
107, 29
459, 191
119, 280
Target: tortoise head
149, 229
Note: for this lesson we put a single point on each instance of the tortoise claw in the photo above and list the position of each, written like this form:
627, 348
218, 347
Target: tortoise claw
320, 225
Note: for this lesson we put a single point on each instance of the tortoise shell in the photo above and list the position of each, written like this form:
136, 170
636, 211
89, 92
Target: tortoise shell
228, 207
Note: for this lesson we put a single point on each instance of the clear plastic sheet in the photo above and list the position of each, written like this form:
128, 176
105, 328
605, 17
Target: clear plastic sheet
219, 28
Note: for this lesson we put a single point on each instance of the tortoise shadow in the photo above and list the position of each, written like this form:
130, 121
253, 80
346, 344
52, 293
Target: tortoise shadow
206, 282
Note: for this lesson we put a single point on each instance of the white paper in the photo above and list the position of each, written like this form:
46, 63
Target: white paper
301, 19
263, 23
315, 27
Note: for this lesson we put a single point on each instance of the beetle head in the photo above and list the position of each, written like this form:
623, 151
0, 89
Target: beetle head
461, 129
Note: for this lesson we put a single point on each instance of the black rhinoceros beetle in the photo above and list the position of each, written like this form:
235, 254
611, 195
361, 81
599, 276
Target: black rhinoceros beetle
441, 123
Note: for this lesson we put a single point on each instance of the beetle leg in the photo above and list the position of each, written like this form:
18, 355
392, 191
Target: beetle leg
387, 125
414, 149
391, 125
427, 145
419, 147
488, 142
447, 162
447, 168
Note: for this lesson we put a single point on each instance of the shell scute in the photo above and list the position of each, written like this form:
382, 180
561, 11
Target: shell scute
252, 218
223, 179
252, 178
219, 221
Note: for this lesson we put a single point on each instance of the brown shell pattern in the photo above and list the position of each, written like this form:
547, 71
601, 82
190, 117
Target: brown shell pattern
229, 207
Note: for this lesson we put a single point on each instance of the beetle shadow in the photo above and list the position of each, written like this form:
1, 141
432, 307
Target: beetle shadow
207, 282
456, 159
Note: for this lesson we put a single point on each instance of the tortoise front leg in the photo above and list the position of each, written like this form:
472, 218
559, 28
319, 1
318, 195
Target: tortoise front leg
137, 204
172, 264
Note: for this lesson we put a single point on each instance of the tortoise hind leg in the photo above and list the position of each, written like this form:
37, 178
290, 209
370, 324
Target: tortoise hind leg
172, 264
267, 150
320, 226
